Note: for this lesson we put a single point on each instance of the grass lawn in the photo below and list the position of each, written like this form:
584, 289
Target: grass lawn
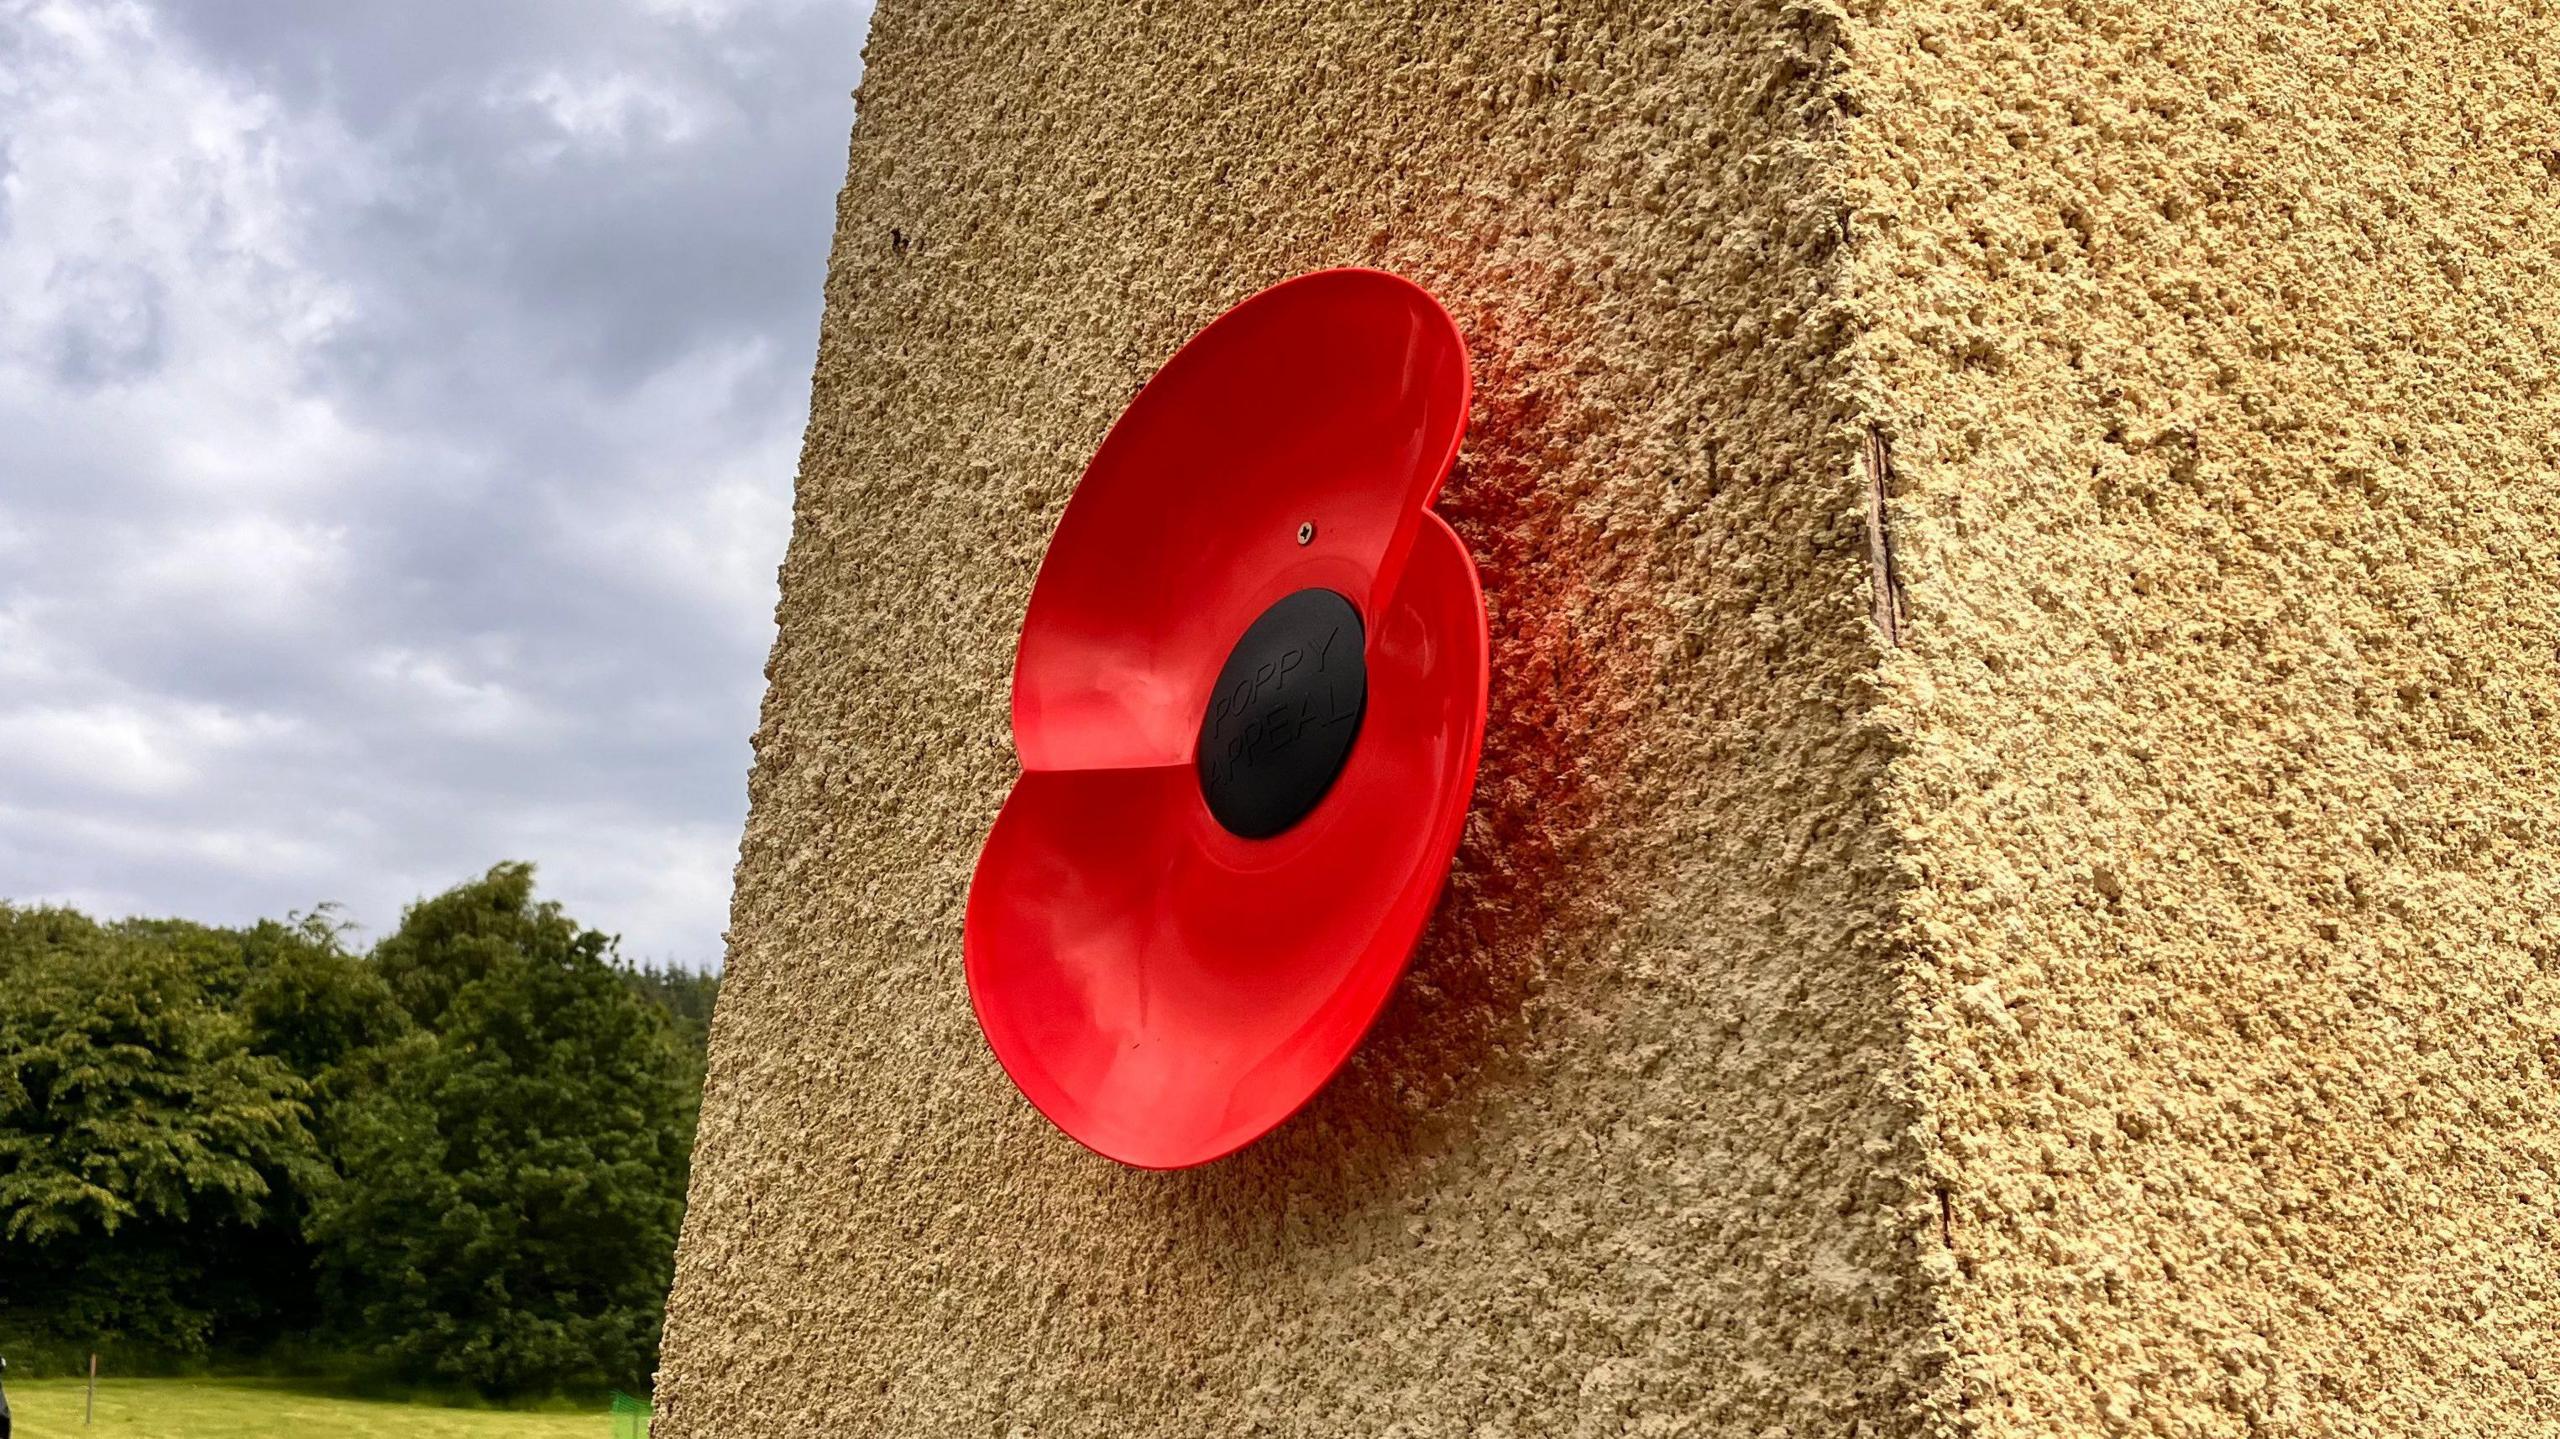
268, 1409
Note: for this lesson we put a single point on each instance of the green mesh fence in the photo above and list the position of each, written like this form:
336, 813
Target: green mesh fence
630, 1417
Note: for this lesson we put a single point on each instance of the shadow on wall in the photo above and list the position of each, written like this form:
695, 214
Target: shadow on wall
1571, 665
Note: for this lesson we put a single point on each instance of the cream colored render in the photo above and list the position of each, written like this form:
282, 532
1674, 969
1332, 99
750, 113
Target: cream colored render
2013, 886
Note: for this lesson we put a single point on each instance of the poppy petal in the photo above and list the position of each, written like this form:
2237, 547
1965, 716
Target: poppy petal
1331, 406
1165, 991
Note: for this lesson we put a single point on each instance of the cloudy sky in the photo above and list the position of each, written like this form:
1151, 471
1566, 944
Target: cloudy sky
398, 406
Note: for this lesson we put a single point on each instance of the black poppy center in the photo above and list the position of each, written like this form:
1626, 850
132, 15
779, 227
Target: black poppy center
1280, 724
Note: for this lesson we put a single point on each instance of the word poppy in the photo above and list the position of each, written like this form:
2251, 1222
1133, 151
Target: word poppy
1248, 703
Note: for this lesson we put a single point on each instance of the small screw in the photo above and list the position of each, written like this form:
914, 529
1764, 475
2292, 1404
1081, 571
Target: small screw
1307, 533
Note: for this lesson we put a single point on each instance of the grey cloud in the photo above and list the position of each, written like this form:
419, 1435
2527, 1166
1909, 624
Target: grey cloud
398, 483
115, 333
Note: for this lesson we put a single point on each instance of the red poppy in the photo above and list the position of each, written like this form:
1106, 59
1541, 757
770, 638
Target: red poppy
1248, 703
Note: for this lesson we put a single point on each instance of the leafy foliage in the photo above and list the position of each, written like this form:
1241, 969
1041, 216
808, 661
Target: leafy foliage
685, 995
460, 1156
522, 1165
140, 1131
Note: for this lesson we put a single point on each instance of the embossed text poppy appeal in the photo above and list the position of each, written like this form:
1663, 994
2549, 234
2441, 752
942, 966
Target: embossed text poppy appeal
1248, 703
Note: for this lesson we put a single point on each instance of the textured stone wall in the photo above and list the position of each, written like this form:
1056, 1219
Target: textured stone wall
2216, 346
1624, 1155
2012, 887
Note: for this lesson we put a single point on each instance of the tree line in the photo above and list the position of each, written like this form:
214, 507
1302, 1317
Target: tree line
457, 1157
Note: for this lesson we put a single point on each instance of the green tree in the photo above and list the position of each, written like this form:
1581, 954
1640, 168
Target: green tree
687, 996
308, 999
149, 1154
513, 1185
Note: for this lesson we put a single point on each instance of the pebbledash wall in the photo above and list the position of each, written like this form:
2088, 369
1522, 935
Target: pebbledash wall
2013, 888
